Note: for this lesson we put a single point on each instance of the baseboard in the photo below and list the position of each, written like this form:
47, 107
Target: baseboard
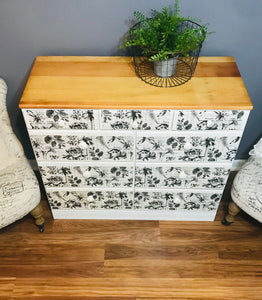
119, 214
236, 165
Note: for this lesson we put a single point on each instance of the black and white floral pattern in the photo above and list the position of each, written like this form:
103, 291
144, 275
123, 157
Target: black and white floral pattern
156, 200
90, 200
135, 119
174, 201
210, 119
90, 148
180, 177
89, 176
188, 149
61, 119
123, 165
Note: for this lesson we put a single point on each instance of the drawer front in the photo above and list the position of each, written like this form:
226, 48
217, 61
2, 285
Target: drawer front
156, 200
187, 148
83, 147
135, 119
190, 201
171, 176
109, 176
90, 200
61, 119
210, 119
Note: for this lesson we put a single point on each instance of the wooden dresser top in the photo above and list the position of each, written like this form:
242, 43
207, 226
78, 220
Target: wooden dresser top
92, 82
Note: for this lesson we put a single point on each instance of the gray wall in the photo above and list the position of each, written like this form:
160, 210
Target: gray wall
29, 28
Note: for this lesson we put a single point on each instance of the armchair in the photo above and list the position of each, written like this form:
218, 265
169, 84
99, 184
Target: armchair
246, 191
19, 188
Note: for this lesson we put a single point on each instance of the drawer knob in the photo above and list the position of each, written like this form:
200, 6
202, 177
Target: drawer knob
134, 125
182, 175
87, 174
210, 123
61, 123
188, 146
90, 198
82, 145
177, 200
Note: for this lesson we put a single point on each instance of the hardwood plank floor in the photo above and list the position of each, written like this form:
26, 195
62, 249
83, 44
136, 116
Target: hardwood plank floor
132, 260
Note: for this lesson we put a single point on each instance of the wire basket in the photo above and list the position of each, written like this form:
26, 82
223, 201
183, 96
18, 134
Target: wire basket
185, 66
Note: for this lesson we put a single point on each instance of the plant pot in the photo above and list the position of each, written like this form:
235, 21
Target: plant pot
165, 68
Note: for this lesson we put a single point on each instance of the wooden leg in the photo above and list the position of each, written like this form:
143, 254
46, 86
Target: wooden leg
233, 210
37, 214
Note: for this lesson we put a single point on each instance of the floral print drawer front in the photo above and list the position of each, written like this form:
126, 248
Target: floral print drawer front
139, 201
135, 119
61, 119
83, 147
193, 148
90, 200
87, 176
210, 119
147, 176
176, 201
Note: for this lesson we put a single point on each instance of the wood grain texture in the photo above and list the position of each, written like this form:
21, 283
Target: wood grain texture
111, 83
132, 260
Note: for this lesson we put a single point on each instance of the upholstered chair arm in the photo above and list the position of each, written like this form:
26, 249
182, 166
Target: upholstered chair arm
11, 141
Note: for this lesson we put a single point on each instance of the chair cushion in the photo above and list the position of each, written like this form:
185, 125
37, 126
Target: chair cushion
246, 190
19, 192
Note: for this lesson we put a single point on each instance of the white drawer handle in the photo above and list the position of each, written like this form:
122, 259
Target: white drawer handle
90, 198
188, 146
177, 200
87, 174
182, 175
82, 145
61, 123
134, 125
210, 123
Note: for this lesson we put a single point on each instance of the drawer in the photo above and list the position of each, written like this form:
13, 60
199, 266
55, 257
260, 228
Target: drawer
210, 119
87, 175
135, 119
140, 200
187, 146
90, 200
175, 200
185, 177
82, 147
61, 119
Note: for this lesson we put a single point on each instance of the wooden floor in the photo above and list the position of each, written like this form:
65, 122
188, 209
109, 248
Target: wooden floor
131, 260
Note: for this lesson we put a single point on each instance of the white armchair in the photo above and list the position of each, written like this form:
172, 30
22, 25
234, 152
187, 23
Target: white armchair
19, 188
246, 191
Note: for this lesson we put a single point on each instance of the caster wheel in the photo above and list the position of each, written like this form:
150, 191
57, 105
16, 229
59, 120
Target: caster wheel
225, 222
41, 228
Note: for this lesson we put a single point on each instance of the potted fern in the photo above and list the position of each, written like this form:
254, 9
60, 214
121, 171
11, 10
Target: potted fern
165, 37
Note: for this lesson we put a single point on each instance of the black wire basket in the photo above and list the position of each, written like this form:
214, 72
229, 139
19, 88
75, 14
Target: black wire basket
185, 66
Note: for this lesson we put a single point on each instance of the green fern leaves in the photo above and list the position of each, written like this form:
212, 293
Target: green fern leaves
164, 35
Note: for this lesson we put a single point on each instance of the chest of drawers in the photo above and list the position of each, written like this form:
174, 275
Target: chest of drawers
104, 150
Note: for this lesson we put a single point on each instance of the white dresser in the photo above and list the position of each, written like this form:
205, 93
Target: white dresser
138, 160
